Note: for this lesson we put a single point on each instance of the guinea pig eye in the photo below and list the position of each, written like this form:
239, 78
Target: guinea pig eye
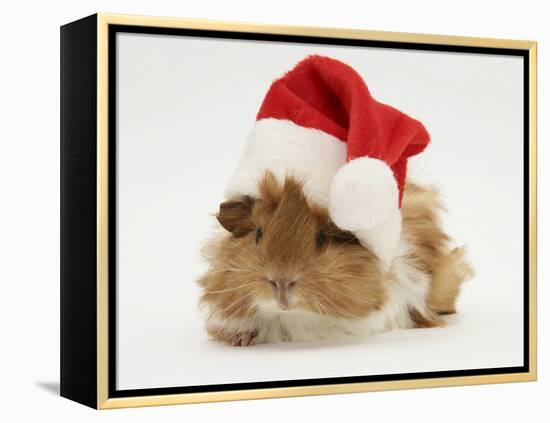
320, 239
259, 234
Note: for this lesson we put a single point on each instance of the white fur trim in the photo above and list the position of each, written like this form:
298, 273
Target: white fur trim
285, 148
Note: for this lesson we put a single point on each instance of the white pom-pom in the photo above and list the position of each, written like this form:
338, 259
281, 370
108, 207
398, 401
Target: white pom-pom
364, 194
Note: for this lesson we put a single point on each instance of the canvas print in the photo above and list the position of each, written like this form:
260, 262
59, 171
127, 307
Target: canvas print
293, 213
252, 211
326, 235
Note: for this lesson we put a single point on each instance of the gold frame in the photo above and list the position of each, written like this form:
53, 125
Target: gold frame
103, 21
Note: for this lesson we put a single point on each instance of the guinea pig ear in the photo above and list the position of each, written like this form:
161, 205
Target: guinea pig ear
236, 216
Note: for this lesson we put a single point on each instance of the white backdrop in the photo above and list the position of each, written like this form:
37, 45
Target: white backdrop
29, 173
185, 106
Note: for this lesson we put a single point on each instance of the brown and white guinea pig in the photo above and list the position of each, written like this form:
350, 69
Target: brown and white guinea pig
284, 272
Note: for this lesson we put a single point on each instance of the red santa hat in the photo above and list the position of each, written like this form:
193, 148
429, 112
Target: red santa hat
320, 124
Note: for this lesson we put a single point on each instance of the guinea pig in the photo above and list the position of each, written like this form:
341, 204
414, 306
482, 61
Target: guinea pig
282, 271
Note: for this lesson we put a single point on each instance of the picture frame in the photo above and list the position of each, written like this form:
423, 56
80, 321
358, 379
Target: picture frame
90, 98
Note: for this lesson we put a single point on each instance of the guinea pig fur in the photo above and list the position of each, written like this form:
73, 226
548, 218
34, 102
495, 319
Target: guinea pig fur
282, 271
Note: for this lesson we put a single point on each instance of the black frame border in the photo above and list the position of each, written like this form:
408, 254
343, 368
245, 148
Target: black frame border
78, 211
114, 29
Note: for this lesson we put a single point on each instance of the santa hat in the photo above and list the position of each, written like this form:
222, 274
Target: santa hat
320, 124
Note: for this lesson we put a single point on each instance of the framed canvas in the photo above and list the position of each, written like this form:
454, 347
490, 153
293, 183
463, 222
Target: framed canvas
257, 211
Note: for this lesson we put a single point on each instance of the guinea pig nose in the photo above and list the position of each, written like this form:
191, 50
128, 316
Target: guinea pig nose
283, 283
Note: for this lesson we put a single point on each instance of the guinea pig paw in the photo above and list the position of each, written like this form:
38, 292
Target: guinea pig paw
244, 339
